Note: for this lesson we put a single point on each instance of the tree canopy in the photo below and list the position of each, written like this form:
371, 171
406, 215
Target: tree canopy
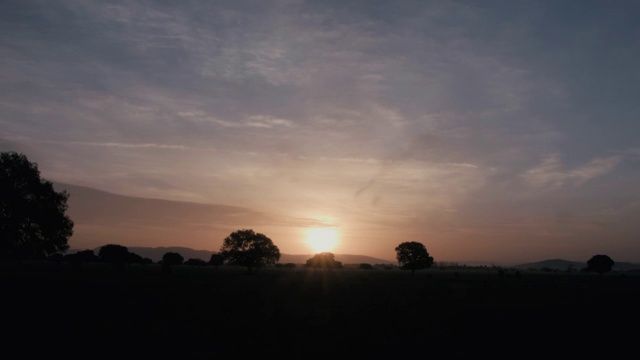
413, 256
33, 219
195, 262
114, 254
119, 256
600, 264
249, 249
83, 256
172, 258
323, 260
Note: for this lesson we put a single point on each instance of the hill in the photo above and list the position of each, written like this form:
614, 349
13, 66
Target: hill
156, 254
560, 264
554, 264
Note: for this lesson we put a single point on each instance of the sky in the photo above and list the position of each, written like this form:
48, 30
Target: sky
502, 131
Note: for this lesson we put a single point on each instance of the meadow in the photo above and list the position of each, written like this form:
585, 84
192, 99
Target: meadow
225, 312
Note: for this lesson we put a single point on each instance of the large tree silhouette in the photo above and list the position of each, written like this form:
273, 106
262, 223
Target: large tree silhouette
33, 219
600, 264
413, 256
249, 249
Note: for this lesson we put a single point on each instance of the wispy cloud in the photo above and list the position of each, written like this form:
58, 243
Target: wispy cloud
106, 144
551, 173
125, 145
265, 121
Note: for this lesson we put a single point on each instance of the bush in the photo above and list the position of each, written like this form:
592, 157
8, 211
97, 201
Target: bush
195, 262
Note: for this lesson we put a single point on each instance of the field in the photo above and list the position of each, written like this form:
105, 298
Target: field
202, 312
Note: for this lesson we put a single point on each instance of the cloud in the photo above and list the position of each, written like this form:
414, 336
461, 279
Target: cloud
265, 121
125, 145
550, 173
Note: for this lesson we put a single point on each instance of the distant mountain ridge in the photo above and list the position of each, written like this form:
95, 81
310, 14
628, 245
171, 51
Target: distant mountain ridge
553, 264
156, 254
560, 264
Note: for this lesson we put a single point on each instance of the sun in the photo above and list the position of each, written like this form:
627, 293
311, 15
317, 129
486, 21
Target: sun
321, 239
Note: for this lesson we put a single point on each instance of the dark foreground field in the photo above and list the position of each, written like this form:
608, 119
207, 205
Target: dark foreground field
202, 312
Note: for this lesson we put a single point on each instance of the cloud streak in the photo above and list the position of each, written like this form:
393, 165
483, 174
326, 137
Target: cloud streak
551, 175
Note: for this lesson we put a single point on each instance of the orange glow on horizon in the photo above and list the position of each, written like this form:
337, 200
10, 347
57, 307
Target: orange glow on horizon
321, 239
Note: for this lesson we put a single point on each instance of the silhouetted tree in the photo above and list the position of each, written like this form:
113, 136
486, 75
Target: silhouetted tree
84, 256
170, 259
81, 257
323, 260
134, 258
600, 264
249, 249
216, 260
116, 255
195, 262
365, 266
33, 220
413, 256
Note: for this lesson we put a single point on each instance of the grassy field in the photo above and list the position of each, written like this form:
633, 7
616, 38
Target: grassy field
202, 312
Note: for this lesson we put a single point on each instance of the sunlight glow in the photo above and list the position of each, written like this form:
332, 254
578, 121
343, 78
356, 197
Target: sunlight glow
322, 239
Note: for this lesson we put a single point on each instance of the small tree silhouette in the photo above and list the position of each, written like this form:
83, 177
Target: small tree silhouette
600, 264
170, 259
116, 255
323, 260
195, 262
413, 256
137, 259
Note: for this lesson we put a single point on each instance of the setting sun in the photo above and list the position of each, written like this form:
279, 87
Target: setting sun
322, 239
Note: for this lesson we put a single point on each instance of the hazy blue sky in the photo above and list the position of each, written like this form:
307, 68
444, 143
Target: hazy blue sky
488, 130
